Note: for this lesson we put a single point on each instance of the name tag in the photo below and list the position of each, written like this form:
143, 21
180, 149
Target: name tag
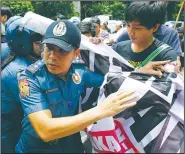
51, 90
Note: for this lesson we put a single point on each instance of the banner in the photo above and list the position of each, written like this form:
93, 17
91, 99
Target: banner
155, 124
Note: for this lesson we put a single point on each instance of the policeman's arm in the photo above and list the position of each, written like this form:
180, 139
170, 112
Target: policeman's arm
49, 128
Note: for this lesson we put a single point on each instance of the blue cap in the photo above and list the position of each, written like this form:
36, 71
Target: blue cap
63, 34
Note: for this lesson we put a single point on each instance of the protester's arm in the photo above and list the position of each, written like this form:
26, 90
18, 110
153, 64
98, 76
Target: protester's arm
154, 68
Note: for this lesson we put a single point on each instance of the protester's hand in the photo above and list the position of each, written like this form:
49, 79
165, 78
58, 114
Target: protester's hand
96, 40
154, 68
116, 102
178, 65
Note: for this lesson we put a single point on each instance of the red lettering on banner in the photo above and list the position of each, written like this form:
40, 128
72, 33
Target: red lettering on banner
112, 140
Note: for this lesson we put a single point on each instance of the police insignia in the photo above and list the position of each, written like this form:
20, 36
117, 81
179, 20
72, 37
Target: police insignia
76, 78
60, 29
24, 88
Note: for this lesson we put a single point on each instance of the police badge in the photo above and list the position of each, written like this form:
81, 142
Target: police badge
60, 29
76, 78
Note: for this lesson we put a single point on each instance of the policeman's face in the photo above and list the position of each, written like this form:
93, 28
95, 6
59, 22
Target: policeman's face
140, 34
57, 61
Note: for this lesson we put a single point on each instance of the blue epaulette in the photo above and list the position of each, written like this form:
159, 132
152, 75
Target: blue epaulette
36, 66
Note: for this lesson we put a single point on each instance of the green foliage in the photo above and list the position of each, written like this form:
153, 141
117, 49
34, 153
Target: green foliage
114, 8
51, 8
18, 7
173, 8
118, 10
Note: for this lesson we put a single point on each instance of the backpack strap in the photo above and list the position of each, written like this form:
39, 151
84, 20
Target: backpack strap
154, 54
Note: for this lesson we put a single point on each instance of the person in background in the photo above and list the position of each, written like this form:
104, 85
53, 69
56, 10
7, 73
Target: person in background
105, 27
60, 17
86, 29
25, 45
96, 24
5, 15
75, 20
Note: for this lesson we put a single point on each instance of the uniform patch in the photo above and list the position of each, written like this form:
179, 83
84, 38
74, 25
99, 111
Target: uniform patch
76, 78
60, 29
24, 88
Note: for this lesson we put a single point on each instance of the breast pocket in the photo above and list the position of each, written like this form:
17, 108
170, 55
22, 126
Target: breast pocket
56, 102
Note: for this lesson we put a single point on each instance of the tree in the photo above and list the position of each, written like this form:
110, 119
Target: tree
51, 8
18, 7
118, 10
114, 8
173, 8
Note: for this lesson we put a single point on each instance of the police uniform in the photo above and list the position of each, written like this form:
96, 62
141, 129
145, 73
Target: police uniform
12, 64
11, 112
41, 90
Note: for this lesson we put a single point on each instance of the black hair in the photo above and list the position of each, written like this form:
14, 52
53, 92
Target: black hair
148, 13
6, 11
35, 37
95, 20
85, 27
60, 16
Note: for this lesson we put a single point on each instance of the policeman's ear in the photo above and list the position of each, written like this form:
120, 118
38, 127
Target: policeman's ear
77, 52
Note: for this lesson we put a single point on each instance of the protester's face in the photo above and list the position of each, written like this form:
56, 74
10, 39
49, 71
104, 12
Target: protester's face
139, 34
118, 27
97, 29
37, 48
3, 19
57, 61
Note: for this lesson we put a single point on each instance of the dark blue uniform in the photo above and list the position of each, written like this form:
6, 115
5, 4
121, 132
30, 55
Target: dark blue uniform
41, 90
11, 112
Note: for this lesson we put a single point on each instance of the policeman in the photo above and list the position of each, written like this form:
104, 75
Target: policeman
50, 91
23, 49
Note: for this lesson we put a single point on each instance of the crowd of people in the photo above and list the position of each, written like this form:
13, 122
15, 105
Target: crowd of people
42, 83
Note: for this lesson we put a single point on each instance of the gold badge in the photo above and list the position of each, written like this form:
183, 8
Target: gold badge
76, 78
24, 88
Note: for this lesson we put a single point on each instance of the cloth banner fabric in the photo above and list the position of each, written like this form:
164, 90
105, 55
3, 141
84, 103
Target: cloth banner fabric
155, 124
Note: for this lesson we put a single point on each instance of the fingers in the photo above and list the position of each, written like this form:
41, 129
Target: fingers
124, 94
162, 68
127, 99
156, 63
129, 105
158, 73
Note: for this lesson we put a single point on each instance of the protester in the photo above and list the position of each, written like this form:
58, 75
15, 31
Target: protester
140, 30
163, 33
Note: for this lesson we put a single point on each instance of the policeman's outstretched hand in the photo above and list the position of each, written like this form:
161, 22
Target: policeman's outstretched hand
116, 102
154, 68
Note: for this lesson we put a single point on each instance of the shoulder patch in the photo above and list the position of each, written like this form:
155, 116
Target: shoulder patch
24, 88
36, 66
